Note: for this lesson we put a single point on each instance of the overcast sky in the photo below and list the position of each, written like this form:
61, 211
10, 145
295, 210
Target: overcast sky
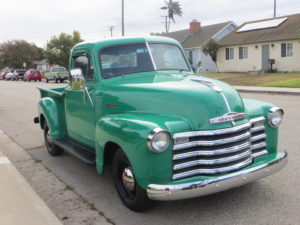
37, 20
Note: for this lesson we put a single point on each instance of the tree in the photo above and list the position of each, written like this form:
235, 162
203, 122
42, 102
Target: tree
174, 9
58, 48
211, 48
15, 53
41, 52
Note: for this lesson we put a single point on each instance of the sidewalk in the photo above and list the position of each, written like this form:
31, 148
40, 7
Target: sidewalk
268, 90
19, 204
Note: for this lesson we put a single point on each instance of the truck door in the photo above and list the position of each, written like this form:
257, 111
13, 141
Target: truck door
79, 104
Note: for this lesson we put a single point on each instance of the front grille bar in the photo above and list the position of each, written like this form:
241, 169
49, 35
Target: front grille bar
210, 152
214, 142
238, 166
213, 161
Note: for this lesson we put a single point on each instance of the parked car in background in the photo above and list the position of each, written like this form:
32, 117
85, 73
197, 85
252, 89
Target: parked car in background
32, 74
57, 74
3, 75
19, 74
10, 76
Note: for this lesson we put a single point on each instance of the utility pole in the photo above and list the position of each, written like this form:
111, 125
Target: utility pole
123, 32
165, 22
274, 8
166, 18
111, 28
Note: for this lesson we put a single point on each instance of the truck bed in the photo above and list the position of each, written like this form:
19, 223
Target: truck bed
52, 92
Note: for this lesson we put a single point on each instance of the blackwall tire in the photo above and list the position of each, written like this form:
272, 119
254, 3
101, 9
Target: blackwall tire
132, 195
52, 149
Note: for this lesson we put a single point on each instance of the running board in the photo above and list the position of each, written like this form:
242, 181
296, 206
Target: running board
82, 152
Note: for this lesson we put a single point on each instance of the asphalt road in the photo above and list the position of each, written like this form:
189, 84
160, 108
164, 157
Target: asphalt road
274, 200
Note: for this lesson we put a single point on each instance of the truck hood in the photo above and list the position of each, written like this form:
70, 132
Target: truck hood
193, 99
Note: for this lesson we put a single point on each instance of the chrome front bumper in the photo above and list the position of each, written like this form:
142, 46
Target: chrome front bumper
222, 183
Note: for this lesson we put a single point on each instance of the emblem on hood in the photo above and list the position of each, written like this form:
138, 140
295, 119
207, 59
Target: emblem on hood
231, 116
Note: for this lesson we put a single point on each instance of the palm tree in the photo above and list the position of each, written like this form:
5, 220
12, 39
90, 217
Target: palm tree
174, 9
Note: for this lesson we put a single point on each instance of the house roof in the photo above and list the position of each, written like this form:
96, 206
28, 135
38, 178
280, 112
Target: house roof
204, 35
287, 30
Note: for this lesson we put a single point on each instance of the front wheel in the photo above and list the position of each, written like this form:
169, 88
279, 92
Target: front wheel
52, 149
131, 194
47, 80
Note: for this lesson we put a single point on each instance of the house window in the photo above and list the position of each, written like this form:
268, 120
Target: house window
229, 52
243, 52
286, 49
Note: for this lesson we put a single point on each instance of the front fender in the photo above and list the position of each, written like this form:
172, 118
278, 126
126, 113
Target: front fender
53, 112
130, 132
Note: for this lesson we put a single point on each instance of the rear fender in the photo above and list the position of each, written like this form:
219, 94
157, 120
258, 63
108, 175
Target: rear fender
53, 112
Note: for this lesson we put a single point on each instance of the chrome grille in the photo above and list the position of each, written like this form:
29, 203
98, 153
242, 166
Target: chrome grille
213, 152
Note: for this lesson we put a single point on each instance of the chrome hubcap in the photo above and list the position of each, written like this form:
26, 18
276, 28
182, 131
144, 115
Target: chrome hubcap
128, 179
49, 139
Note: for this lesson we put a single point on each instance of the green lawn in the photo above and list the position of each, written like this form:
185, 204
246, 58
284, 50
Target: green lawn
293, 83
263, 80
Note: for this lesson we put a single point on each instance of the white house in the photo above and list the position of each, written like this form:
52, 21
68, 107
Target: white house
195, 38
262, 45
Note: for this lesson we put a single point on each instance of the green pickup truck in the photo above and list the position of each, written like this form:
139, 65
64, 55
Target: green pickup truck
169, 134
57, 74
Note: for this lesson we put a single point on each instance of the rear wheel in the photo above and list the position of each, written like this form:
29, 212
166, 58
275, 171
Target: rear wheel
55, 80
52, 149
131, 194
47, 80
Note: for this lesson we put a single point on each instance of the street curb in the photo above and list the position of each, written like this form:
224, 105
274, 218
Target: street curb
268, 92
19, 203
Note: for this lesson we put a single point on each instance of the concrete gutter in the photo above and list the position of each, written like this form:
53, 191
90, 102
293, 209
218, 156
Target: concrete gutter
19, 203
268, 90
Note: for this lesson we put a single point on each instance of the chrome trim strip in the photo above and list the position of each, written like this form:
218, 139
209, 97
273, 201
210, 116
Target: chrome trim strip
257, 120
214, 185
212, 143
237, 166
212, 152
227, 106
261, 153
207, 162
257, 129
258, 137
212, 132
259, 145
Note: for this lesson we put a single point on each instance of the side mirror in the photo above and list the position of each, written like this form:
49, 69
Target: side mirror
77, 79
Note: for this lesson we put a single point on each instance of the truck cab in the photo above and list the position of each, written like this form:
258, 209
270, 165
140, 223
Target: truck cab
168, 133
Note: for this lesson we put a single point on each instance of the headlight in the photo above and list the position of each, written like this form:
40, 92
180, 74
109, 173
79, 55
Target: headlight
275, 116
158, 140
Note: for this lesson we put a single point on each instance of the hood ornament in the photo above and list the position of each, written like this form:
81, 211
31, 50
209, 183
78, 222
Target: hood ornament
227, 117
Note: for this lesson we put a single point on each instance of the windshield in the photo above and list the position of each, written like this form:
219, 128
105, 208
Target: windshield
58, 69
134, 58
168, 57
